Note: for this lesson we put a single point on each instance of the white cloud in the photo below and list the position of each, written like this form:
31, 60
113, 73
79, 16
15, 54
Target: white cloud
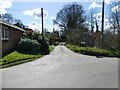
28, 12
36, 13
3, 11
53, 18
59, 0
94, 5
35, 26
116, 9
87, 23
98, 16
5, 4
108, 26
55, 27
108, 20
108, 2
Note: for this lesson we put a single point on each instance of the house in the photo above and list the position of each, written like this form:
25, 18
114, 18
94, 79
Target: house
9, 37
28, 30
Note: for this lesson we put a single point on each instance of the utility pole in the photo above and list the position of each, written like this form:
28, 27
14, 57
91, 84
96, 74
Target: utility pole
102, 36
42, 22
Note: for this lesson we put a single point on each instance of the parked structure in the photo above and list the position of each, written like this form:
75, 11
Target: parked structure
9, 37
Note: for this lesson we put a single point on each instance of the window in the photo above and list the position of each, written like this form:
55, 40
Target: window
4, 33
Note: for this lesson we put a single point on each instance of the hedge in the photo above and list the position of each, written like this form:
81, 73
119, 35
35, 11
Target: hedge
28, 46
94, 51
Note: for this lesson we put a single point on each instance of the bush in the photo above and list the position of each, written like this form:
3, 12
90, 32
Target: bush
94, 51
28, 46
44, 47
56, 43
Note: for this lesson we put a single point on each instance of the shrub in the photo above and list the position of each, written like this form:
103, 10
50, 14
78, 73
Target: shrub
56, 43
94, 51
44, 47
28, 46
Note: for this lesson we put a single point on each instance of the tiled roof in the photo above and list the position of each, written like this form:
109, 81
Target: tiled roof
10, 25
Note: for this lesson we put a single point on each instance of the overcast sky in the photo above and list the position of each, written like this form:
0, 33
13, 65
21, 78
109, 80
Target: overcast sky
28, 11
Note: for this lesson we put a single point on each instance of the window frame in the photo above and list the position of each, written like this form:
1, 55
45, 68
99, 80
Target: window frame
5, 33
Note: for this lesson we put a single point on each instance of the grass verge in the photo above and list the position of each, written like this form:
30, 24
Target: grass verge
16, 58
50, 48
94, 51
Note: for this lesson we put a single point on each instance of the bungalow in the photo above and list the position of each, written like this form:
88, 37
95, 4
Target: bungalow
9, 37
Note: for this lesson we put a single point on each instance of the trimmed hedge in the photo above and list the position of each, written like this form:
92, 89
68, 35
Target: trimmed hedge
94, 51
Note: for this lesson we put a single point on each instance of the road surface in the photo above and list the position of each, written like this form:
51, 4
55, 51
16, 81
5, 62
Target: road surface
63, 69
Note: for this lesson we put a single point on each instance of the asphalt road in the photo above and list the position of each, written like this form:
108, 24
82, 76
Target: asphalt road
63, 69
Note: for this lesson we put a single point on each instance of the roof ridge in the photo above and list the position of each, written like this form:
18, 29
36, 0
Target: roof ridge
11, 25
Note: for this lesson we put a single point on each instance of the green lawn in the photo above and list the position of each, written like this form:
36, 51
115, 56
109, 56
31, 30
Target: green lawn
16, 58
94, 51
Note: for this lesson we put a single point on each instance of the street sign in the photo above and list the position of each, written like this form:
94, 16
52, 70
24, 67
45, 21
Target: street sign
87, 35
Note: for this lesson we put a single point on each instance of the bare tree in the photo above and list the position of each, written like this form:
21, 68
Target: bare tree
8, 17
18, 23
71, 18
115, 16
94, 19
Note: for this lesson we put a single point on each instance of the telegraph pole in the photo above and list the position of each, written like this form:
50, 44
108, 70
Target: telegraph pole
42, 22
102, 31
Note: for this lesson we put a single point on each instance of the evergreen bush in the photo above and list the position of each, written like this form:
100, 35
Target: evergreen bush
28, 46
44, 47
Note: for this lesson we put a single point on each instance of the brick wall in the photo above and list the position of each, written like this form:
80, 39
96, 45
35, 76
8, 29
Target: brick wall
14, 37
